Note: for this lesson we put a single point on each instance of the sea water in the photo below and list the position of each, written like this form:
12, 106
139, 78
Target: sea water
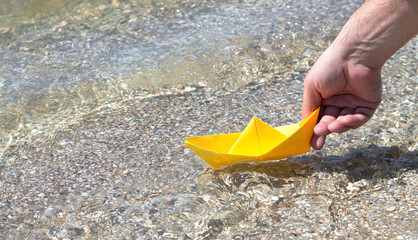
97, 97
61, 54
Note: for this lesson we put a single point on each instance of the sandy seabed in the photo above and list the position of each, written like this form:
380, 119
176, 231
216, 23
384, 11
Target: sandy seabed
120, 169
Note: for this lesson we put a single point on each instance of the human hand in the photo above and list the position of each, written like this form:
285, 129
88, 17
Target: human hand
347, 92
345, 81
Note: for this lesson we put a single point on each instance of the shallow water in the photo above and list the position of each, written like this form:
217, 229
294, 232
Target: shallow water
97, 98
60, 54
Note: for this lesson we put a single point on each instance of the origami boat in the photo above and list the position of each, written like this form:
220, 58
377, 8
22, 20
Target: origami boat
258, 142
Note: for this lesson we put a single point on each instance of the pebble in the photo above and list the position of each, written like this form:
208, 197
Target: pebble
117, 168
391, 209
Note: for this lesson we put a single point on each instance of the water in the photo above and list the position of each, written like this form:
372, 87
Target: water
57, 54
96, 98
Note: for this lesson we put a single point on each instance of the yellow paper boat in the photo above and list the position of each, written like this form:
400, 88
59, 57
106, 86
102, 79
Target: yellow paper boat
258, 142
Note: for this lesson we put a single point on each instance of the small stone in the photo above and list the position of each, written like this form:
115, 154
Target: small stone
391, 209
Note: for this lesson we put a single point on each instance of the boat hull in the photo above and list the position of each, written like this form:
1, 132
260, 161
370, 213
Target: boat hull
215, 149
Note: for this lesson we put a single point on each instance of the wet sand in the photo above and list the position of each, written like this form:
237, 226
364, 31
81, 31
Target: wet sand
123, 171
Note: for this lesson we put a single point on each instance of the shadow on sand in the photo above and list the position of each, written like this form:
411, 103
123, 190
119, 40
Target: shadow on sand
368, 163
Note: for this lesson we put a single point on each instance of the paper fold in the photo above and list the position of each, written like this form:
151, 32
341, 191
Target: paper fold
258, 142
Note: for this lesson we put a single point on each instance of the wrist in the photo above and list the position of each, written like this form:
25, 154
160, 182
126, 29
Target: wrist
356, 52
376, 31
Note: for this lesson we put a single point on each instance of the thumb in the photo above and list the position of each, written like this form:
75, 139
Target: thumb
311, 98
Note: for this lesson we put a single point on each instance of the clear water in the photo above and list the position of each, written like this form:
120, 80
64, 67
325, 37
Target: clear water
82, 157
61, 54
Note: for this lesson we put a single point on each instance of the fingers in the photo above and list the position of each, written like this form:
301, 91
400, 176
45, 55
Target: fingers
337, 120
330, 115
312, 100
317, 142
352, 120
340, 125
349, 101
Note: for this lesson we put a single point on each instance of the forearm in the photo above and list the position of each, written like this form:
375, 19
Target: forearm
376, 31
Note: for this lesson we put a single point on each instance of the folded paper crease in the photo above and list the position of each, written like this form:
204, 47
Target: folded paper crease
258, 142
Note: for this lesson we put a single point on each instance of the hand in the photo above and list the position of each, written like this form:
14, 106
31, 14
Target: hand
347, 92
345, 81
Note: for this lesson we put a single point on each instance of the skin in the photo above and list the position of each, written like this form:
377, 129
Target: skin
346, 80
